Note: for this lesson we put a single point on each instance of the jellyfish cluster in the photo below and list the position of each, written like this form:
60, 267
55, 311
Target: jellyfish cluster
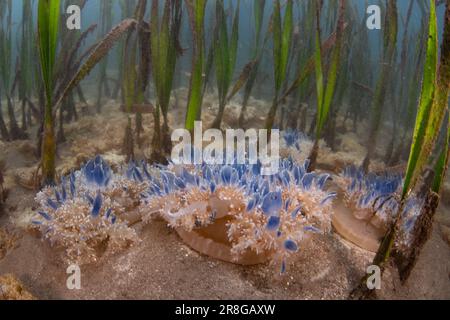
373, 197
271, 214
93, 212
294, 138
377, 198
295, 145
87, 213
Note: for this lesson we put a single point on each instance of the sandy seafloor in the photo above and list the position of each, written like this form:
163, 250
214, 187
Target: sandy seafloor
162, 267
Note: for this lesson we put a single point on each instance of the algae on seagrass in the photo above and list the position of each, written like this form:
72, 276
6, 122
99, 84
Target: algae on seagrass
443, 91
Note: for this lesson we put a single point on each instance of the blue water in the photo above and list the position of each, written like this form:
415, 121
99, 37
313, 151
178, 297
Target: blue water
91, 12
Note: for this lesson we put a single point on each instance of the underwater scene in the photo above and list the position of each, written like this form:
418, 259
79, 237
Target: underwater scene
224, 149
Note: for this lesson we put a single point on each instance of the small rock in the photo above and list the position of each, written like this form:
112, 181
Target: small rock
12, 289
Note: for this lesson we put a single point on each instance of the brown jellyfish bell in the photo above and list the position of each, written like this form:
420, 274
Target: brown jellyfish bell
213, 241
366, 225
361, 232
